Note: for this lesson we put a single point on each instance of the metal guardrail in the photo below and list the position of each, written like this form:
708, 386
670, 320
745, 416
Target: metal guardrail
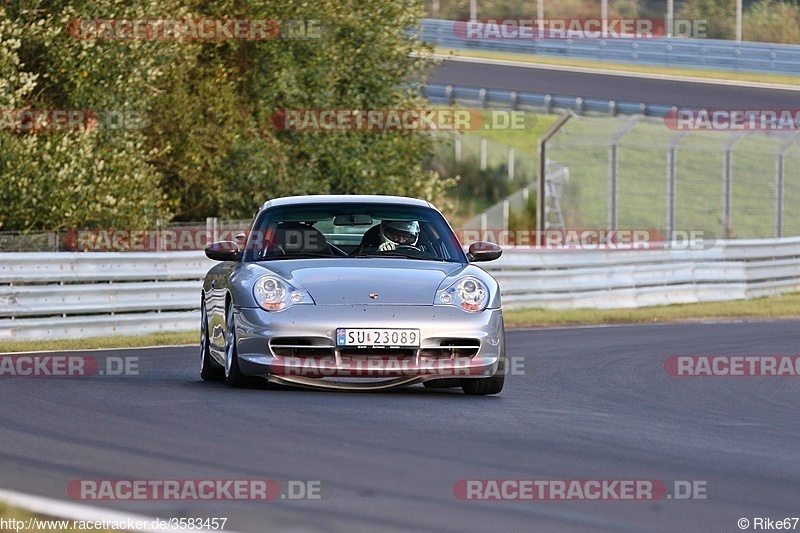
69, 295
438, 93
674, 52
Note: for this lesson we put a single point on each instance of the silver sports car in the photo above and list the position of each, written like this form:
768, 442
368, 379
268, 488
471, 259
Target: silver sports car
353, 293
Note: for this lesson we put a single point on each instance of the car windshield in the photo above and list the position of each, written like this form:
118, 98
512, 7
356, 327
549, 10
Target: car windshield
363, 230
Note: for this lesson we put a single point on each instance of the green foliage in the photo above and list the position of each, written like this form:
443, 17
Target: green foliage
720, 14
86, 178
772, 21
208, 148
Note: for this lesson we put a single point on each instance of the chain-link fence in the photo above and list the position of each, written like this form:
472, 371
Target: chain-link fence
636, 173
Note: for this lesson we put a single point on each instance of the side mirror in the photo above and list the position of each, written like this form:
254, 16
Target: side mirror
483, 251
224, 251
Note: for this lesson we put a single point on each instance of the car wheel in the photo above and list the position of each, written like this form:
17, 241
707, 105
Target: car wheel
209, 369
233, 375
486, 386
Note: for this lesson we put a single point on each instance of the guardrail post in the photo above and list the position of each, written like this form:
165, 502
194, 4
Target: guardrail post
548, 103
579, 105
448, 95
482, 98
514, 99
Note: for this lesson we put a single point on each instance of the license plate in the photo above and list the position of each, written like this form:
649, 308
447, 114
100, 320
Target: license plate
377, 337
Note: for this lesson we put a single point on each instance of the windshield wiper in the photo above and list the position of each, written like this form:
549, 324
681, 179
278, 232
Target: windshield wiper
396, 256
299, 256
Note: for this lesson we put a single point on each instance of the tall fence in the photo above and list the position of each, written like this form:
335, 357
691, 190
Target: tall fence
635, 173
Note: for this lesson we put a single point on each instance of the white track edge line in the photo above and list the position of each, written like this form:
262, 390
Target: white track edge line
81, 512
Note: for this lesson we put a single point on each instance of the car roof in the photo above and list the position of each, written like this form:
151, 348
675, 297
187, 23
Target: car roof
346, 198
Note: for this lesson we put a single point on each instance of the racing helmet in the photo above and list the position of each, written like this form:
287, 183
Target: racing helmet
400, 231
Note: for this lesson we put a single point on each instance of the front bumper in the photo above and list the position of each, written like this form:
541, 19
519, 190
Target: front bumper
324, 365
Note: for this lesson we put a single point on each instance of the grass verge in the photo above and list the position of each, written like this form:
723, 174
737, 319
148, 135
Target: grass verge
38, 522
783, 307
628, 67
786, 306
93, 343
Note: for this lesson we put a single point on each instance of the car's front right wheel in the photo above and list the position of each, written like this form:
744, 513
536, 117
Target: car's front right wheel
233, 374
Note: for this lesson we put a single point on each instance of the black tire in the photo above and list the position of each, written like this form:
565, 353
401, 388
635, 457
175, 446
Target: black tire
233, 374
486, 386
210, 370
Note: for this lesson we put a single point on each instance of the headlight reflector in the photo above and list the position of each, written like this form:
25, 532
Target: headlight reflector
274, 294
468, 293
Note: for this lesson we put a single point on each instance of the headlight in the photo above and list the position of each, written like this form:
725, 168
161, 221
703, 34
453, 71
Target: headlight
273, 294
468, 293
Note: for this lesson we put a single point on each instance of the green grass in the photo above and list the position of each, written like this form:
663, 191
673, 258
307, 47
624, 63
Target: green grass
627, 67
92, 343
786, 306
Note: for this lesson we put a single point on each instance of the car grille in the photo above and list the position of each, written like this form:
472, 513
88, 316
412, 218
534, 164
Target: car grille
317, 348
301, 347
451, 349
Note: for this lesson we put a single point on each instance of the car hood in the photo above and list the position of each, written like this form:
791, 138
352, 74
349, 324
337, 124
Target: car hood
358, 281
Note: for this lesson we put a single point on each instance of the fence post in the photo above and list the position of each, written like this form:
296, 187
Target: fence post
483, 153
779, 183
458, 147
541, 195
672, 153
506, 214
613, 170
511, 161
727, 186
779, 197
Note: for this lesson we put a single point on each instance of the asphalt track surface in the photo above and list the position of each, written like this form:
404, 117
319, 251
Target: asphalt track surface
615, 87
590, 403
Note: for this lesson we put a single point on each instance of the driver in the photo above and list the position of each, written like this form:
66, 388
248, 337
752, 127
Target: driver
396, 233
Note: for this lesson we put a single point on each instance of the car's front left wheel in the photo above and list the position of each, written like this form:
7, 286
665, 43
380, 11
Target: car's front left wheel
486, 386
